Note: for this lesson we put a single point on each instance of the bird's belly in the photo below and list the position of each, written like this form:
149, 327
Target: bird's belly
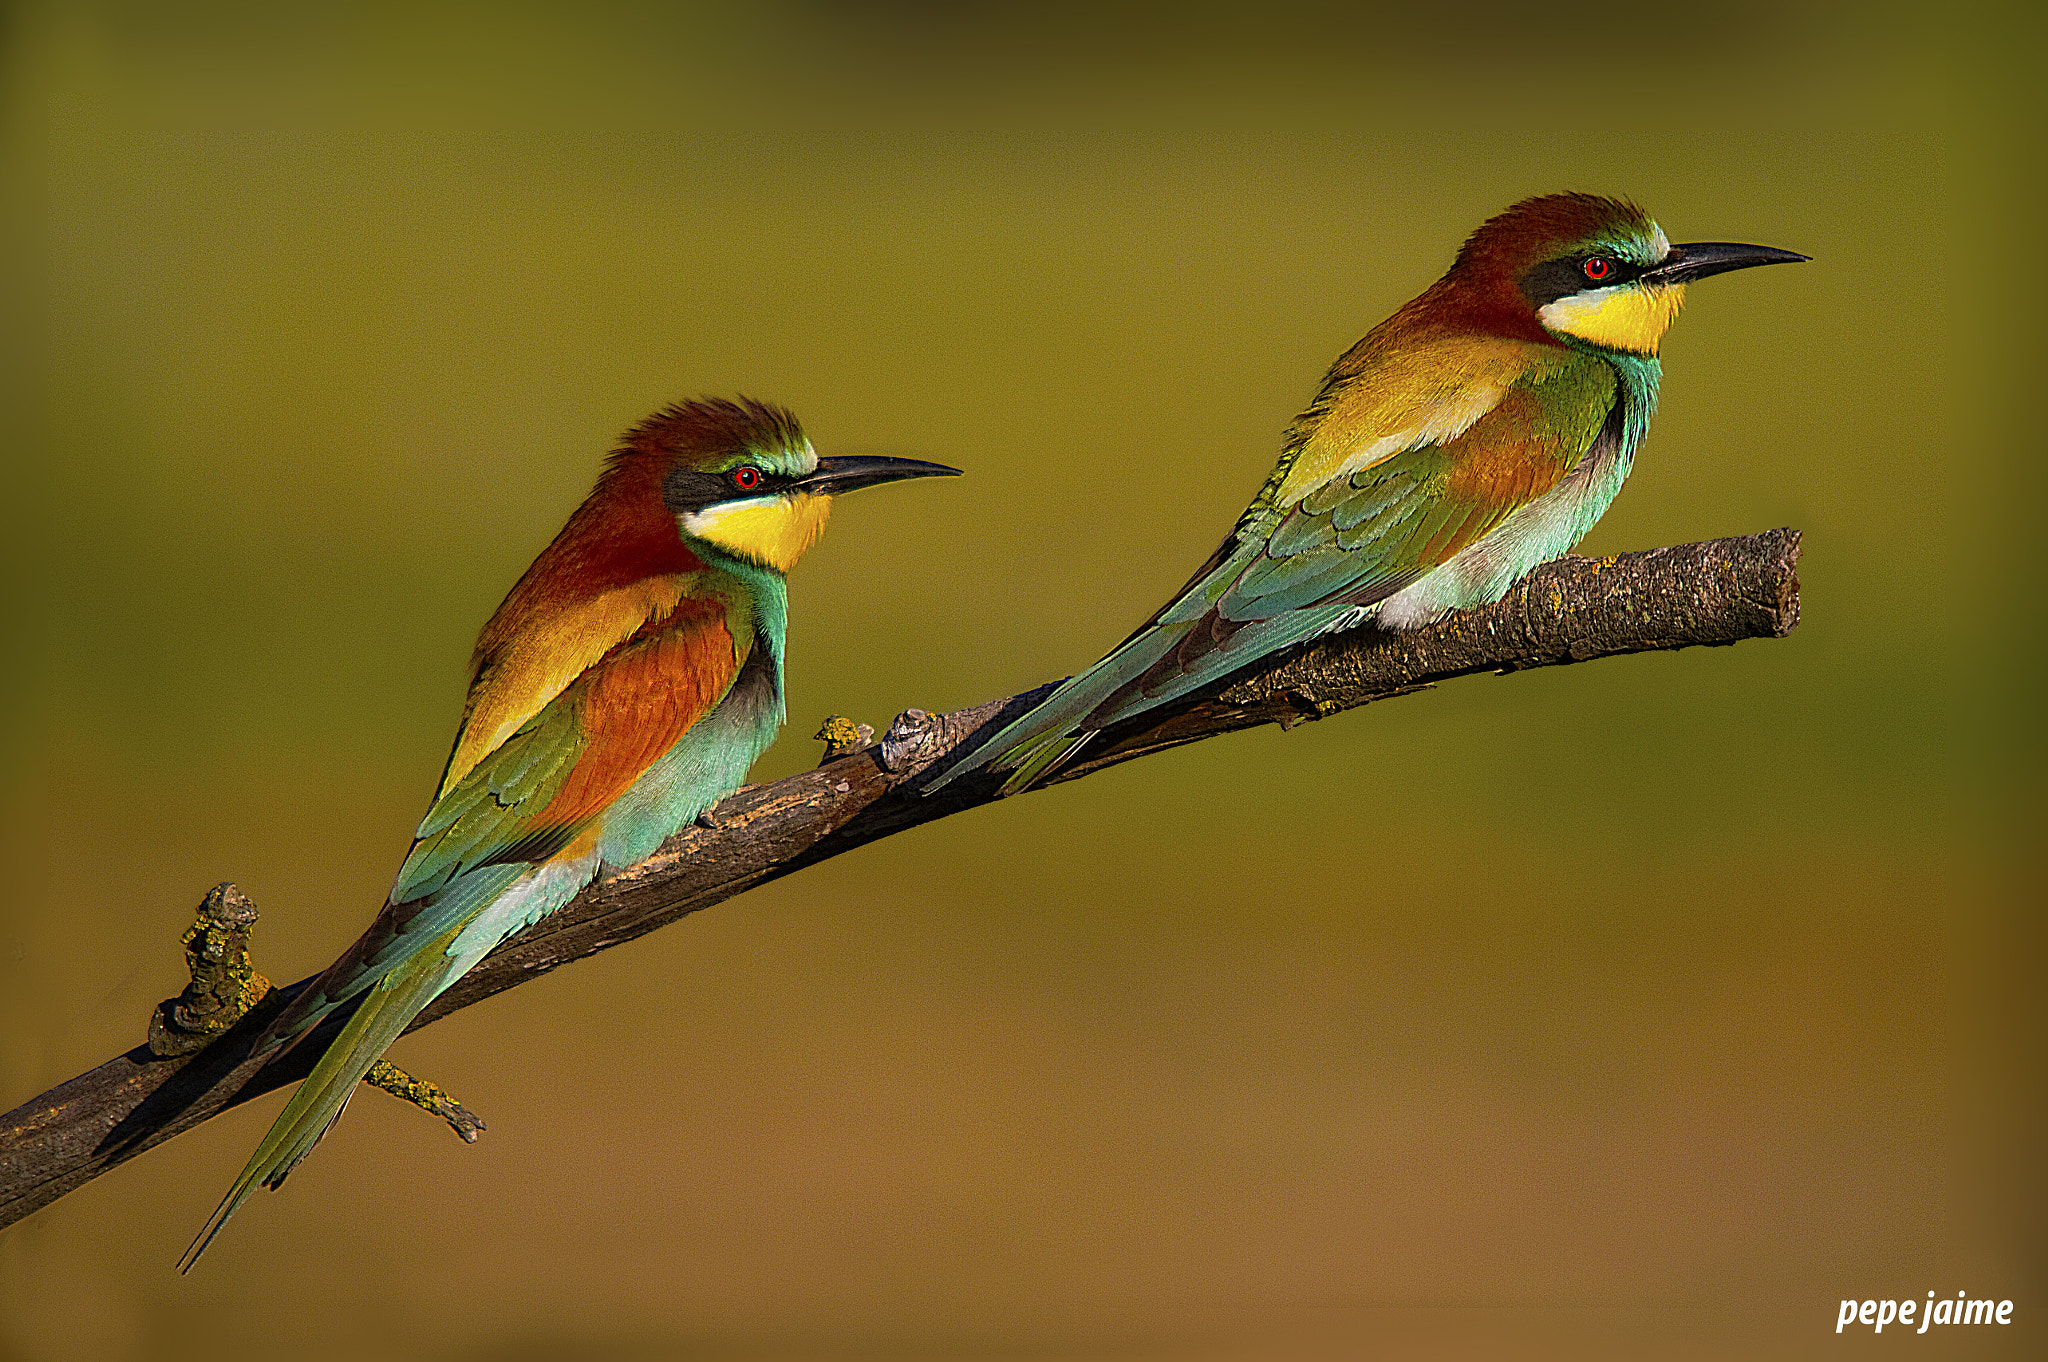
706, 764
1546, 528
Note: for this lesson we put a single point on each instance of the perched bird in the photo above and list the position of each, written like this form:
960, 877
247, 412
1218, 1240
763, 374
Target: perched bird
1473, 435
626, 684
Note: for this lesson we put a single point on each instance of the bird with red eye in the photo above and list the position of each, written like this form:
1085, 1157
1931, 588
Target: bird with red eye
1597, 268
744, 478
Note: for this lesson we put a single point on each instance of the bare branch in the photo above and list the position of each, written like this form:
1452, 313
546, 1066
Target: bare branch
1569, 611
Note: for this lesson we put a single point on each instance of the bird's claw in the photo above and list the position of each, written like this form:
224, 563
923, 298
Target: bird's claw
224, 984
428, 1097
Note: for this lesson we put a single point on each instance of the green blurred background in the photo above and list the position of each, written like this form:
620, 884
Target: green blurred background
1639, 1009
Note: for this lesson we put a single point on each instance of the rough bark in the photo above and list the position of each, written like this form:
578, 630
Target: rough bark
1572, 610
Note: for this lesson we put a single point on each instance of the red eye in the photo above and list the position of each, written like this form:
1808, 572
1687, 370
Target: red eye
746, 479
1599, 267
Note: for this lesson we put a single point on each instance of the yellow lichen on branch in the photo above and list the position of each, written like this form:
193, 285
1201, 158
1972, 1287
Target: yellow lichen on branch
224, 984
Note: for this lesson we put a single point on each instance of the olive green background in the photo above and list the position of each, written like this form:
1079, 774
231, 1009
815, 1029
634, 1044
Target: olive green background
1639, 1009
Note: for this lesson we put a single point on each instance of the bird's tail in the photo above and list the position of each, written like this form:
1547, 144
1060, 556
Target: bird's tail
1035, 760
1039, 742
1165, 661
384, 1012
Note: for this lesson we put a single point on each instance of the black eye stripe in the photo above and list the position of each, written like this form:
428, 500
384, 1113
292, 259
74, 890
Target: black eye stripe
1555, 279
688, 489
1604, 270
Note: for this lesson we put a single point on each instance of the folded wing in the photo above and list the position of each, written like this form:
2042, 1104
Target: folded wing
509, 839
1315, 555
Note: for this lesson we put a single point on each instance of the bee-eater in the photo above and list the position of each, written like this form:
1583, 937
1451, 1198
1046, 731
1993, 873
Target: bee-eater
626, 684
1475, 434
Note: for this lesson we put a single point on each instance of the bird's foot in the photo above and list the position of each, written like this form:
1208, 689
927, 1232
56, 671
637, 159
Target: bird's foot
841, 736
224, 984
428, 1097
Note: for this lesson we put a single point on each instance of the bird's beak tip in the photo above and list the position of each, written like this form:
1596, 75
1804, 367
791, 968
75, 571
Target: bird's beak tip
849, 472
1698, 259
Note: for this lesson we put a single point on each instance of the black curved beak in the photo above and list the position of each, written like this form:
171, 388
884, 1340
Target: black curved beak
850, 472
1698, 259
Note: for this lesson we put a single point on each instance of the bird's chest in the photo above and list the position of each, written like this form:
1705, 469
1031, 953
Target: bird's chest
705, 765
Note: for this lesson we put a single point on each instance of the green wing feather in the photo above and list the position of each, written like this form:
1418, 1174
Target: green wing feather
462, 861
493, 829
475, 840
1289, 574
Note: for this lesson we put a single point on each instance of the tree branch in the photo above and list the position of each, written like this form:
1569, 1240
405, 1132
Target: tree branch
1572, 610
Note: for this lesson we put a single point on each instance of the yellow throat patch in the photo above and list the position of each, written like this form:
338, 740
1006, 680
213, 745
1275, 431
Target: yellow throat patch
771, 531
1626, 318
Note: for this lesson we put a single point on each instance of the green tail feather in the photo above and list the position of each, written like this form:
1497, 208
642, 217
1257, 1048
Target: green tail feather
1048, 735
1040, 758
317, 1105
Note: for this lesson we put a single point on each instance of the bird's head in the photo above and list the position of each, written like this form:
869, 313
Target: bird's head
741, 478
1591, 270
